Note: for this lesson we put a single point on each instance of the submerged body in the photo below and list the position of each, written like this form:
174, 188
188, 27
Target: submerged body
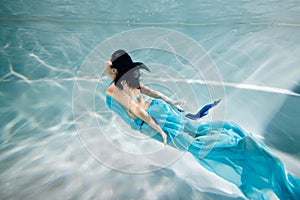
221, 147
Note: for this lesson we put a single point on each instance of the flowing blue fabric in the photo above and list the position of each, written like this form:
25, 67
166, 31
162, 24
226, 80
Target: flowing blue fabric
221, 147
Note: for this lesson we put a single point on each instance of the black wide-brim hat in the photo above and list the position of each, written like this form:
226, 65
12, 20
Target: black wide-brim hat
123, 62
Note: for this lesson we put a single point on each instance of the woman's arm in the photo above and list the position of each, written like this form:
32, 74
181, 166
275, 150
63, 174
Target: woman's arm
139, 112
155, 94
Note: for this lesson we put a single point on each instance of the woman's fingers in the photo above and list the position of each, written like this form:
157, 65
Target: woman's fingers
183, 102
164, 136
180, 102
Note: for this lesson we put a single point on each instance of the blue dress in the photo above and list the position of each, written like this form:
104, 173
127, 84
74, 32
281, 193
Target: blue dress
221, 147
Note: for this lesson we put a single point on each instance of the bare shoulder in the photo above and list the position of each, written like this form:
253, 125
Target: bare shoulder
114, 91
119, 95
110, 89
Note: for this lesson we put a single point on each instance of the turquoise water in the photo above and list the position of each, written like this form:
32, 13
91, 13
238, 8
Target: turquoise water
253, 46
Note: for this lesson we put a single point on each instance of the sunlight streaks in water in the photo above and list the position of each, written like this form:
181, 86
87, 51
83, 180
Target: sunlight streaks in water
42, 62
202, 82
257, 88
53, 68
12, 72
235, 85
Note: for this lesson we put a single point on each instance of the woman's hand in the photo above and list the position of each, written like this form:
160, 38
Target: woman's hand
164, 137
179, 104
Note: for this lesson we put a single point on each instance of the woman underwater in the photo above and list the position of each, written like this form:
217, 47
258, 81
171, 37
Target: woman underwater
221, 147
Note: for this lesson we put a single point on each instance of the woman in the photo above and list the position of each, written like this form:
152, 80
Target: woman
221, 147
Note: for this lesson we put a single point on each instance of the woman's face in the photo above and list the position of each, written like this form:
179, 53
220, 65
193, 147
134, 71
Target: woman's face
112, 72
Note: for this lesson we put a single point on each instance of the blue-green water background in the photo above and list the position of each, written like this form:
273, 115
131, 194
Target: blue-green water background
44, 43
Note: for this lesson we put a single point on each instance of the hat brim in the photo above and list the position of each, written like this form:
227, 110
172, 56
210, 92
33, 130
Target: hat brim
141, 65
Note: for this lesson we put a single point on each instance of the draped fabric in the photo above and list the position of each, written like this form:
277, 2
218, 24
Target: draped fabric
221, 147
